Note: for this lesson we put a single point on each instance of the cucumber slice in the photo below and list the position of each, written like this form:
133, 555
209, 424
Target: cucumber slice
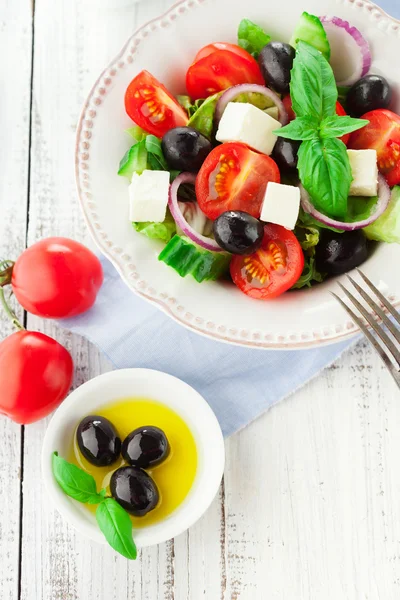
310, 29
186, 258
134, 160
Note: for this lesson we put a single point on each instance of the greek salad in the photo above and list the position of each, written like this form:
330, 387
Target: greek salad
279, 167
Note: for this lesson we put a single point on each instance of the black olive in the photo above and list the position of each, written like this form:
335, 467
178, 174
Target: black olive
338, 253
369, 93
145, 447
98, 440
238, 232
134, 490
285, 153
185, 148
276, 62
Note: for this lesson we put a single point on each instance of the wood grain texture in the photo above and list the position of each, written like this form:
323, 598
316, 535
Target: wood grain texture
15, 41
309, 508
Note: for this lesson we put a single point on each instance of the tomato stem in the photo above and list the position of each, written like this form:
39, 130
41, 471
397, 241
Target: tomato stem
6, 270
9, 312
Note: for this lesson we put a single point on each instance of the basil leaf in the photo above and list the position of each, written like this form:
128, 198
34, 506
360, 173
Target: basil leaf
312, 88
75, 482
203, 118
325, 172
335, 126
302, 128
252, 37
116, 526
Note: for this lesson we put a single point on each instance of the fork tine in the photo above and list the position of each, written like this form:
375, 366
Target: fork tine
377, 328
385, 319
381, 297
374, 343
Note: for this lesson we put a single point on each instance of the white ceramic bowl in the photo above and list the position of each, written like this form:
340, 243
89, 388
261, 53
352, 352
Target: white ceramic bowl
168, 390
166, 47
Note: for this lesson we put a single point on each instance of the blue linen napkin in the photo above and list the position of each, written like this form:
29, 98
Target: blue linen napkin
238, 383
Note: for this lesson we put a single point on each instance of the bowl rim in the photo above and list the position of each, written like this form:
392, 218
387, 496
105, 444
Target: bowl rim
204, 427
314, 338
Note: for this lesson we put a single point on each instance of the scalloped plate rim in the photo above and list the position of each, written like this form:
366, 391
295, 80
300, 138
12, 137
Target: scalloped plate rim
314, 338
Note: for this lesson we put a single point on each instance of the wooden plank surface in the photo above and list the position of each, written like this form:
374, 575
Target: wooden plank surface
309, 509
15, 82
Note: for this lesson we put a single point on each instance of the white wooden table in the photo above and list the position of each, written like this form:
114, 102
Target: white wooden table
310, 504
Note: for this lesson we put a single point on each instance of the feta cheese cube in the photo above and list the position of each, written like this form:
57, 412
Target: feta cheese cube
148, 196
281, 205
243, 122
364, 169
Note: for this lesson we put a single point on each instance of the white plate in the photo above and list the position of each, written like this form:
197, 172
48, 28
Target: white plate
165, 47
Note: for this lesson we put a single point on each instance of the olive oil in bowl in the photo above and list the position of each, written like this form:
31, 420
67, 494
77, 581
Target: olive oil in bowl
174, 477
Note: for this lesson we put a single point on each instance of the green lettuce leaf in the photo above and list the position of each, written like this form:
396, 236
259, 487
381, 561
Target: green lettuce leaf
387, 227
137, 133
308, 235
203, 117
158, 231
309, 275
252, 37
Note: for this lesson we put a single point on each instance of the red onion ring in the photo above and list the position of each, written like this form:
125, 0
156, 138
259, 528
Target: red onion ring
249, 88
344, 34
382, 204
201, 240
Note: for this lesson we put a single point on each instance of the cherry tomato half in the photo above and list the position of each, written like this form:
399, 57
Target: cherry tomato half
35, 373
233, 177
219, 70
57, 278
287, 103
273, 269
152, 107
382, 134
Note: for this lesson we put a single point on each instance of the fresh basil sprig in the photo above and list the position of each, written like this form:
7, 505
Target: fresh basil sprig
325, 172
336, 126
312, 87
113, 520
75, 482
323, 164
116, 526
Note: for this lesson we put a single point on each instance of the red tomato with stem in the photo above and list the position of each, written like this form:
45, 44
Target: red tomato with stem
219, 70
36, 374
271, 270
382, 134
287, 103
233, 177
57, 278
152, 107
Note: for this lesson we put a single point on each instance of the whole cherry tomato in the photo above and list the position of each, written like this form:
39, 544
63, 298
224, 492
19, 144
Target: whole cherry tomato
57, 278
35, 374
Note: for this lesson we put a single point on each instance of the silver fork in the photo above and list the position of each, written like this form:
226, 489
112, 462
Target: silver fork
387, 348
